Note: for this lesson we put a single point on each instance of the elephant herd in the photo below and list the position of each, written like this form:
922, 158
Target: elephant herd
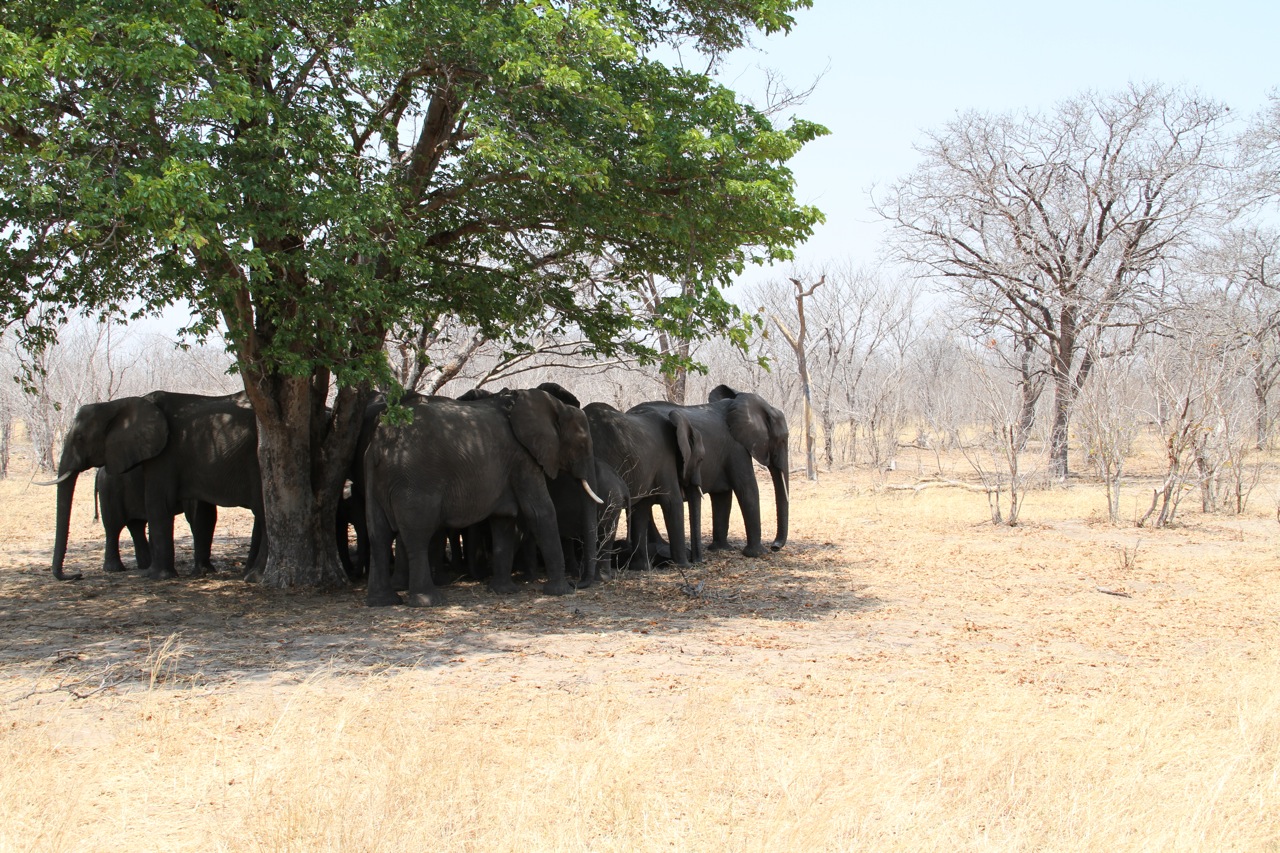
519, 477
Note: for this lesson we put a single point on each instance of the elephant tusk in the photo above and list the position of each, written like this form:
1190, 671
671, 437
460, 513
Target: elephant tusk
786, 489
60, 479
586, 487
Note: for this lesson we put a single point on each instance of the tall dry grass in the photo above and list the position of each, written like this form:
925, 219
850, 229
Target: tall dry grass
400, 763
904, 676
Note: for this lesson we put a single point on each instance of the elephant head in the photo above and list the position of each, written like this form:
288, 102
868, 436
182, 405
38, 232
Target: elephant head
555, 434
558, 436
117, 435
762, 430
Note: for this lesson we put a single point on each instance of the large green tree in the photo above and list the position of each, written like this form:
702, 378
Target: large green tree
307, 173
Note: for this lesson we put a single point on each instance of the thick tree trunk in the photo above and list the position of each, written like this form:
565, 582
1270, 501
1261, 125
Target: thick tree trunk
304, 452
1058, 438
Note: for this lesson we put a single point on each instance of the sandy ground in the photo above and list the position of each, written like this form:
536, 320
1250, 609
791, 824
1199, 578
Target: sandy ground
936, 681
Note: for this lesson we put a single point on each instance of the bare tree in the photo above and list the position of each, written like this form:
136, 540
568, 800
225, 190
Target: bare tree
798, 341
997, 455
1108, 419
1197, 381
1061, 227
1243, 291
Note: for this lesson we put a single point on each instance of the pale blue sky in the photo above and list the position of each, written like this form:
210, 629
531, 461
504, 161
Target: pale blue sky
900, 68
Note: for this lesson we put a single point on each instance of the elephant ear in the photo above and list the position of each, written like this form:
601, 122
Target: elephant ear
534, 416
691, 448
749, 426
138, 432
721, 392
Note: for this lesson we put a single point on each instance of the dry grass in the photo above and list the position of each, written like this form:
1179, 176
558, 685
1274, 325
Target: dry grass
901, 676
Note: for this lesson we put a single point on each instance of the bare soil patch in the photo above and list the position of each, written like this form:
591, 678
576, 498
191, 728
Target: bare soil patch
902, 675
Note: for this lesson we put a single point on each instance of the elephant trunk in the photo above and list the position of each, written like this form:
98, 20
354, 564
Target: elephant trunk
782, 497
66, 492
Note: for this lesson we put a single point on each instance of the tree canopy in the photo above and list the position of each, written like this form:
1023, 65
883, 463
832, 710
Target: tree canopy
307, 173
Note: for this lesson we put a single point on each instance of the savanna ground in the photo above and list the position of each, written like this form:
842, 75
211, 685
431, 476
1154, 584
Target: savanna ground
903, 675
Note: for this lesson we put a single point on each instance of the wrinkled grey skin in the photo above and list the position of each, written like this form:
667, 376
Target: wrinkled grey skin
187, 447
737, 427
657, 455
122, 504
458, 463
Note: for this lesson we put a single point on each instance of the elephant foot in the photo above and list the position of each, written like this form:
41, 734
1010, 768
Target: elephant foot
506, 587
161, 574
777, 544
584, 582
560, 587
431, 598
115, 567
253, 575
754, 551
719, 546
62, 576
200, 570
381, 599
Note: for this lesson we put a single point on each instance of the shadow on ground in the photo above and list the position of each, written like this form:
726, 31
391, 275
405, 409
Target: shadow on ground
115, 629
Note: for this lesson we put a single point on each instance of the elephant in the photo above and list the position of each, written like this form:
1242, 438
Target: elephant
457, 463
568, 500
186, 446
737, 427
122, 503
658, 456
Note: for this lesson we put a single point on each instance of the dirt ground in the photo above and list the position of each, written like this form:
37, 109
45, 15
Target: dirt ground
903, 675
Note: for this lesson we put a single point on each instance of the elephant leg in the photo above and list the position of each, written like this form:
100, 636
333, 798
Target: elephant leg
202, 518
419, 552
659, 548
379, 592
502, 531
673, 514
637, 539
161, 546
400, 571
721, 506
111, 561
694, 502
540, 517
525, 561
747, 491
257, 559
572, 566
141, 547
